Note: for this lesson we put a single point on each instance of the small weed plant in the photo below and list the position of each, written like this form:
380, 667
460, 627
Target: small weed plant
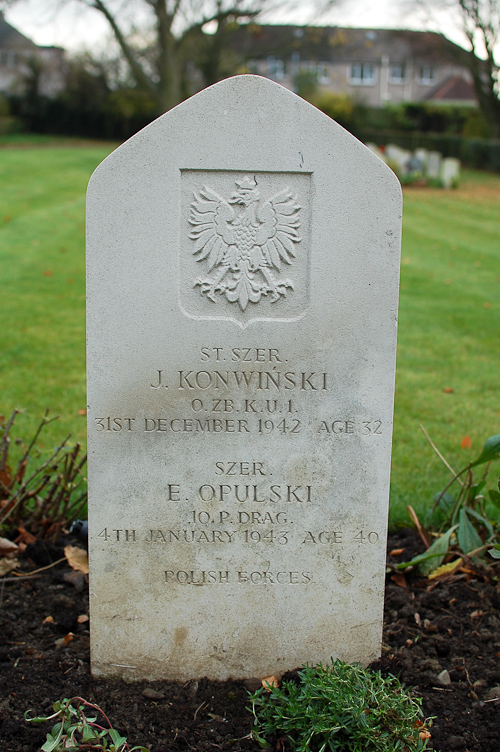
339, 708
75, 731
464, 517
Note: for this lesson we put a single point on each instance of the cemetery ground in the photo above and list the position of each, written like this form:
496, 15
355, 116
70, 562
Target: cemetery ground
447, 377
431, 626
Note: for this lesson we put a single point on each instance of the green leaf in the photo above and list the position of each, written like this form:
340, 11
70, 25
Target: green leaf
494, 552
475, 490
260, 741
467, 536
495, 497
442, 513
37, 719
439, 547
52, 740
479, 517
116, 738
490, 451
434, 555
88, 733
49, 745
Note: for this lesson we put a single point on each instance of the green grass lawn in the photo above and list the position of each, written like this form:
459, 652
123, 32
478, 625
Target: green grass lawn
42, 268
449, 311
449, 329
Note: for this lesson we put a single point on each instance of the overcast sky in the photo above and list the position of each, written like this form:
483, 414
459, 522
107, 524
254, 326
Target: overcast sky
76, 28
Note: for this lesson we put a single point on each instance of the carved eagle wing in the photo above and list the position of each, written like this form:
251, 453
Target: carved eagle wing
210, 217
278, 229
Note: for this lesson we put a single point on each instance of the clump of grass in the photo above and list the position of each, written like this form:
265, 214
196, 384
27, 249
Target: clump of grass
339, 708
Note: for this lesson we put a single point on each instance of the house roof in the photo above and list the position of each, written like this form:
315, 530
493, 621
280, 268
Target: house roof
11, 38
327, 43
454, 89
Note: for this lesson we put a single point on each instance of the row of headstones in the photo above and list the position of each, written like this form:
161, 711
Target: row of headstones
421, 163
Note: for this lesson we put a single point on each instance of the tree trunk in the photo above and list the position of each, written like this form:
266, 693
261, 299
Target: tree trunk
169, 71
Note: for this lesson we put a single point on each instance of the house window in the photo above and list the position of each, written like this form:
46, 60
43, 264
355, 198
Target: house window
362, 74
397, 73
8, 58
275, 68
323, 75
427, 74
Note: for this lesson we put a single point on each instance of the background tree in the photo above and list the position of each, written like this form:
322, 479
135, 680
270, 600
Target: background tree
479, 22
161, 39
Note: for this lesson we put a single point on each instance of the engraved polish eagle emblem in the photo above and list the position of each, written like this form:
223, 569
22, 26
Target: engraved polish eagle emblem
244, 242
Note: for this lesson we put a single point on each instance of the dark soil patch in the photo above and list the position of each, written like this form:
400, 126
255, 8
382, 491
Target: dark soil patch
453, 625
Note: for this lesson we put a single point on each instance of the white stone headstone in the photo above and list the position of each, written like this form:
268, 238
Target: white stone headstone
399, 157
423, 156
243, 260
434, 164
450, 172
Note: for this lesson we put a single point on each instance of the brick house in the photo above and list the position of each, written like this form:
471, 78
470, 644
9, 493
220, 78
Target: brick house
375, 66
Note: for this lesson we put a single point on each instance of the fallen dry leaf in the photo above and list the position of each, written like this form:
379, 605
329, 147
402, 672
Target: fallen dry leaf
445, 569
399, 579
270, 682
82, 411
448, 390
397, 551
63, 642
82, 619
424, 734
7, 565
48, 620
7, 547
6, 477
466, 442
77, 558
476, 614
25, 536
413, 516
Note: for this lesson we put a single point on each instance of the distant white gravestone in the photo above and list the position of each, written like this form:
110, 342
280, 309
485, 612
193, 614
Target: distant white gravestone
243, 260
